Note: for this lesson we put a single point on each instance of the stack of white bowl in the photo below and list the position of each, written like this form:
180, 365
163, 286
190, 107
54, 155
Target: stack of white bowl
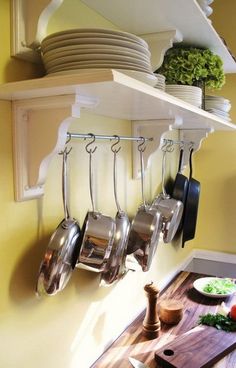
190, 94
75, 50
160, 84
219, 106
204, 4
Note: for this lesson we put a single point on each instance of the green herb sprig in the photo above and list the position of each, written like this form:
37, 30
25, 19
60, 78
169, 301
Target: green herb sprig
218, 321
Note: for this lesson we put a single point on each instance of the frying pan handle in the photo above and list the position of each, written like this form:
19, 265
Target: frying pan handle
181, 152
163, 173
190, 164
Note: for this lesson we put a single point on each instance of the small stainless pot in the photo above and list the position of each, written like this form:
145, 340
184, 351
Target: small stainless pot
171, 209
116, 267
98, 232
171, 213
145, 229
62, 251
144, 236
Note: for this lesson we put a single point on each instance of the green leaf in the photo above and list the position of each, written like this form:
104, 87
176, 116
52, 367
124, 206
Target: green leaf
188, 65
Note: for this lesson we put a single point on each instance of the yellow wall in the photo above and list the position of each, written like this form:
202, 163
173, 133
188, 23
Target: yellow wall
215, 164
71, 329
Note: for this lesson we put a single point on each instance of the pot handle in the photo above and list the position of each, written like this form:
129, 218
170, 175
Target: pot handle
115, 151
65, 154
90, 152
141, 149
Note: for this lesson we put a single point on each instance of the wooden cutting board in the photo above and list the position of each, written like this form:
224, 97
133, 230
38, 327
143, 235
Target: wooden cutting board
200, 347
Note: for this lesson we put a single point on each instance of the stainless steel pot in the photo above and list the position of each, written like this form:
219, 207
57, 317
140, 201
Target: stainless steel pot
171, 210
98, 232
115, 268
145, 228
62, 251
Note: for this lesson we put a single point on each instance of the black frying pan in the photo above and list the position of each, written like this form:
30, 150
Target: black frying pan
191, 206
180, 187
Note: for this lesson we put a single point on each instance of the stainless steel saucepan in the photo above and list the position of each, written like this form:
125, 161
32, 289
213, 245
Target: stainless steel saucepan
98, 231
62, 251
115, 268
171, 209
145, 227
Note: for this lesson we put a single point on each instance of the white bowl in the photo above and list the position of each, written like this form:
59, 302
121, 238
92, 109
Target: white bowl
199, 285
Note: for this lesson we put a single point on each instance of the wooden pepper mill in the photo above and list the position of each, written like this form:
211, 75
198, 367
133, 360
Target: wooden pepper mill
151, 322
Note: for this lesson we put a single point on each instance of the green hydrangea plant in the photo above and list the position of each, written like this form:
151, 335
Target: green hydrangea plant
193, 66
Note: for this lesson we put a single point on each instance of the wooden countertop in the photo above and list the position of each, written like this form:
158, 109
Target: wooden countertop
132, 343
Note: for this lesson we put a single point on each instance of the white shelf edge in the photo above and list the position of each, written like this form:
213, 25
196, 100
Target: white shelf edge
191, 22
56, 101
97, 84
27, 32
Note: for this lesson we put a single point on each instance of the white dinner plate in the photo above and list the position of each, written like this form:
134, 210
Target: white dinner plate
184, 91
216, 98
183, 87
218, 106
83, 37
199, 285
122, 51
147, 78
83, 32
186, 94
93, 57
75, 66
85, 42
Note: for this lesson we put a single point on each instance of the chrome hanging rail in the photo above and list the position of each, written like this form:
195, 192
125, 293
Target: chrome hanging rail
164, 141
173, 141
109, 137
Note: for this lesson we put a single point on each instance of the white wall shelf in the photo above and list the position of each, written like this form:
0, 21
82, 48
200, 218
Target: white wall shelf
44, 108
117, 95
183, 19
152, 16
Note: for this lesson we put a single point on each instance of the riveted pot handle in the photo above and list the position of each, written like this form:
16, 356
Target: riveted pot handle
65, 184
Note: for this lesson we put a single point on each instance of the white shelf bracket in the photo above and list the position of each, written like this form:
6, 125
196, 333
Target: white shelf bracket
40, 132
150, 129
158, 129
29, 20
196, 137
159, 43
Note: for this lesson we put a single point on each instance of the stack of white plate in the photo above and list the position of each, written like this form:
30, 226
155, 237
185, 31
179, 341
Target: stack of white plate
204, 4
74, 50
190, 94
219, 106
160, 84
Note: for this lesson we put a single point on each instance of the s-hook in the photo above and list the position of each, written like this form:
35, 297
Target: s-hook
115, 144
90, 143
168, 145
66, 150
141, 147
